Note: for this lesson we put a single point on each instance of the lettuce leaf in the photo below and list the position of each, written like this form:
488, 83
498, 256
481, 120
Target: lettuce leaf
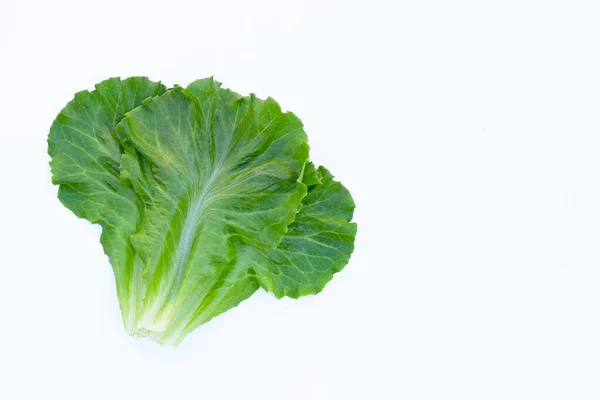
225, 171
317, 244
86, 154
203, 196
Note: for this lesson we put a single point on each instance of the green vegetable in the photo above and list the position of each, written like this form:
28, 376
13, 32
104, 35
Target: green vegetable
203, 195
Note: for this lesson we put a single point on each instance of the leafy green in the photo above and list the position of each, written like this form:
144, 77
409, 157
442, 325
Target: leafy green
203, 195
317, 244
86, 153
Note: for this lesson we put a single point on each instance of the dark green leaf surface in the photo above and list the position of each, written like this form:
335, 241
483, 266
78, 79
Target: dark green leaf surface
318, 243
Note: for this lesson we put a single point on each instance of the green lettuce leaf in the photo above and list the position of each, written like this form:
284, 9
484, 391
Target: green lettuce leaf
203, 195
86, 153
317, 245
219, 171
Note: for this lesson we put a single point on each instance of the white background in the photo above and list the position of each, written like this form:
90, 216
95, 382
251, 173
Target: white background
468, 133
